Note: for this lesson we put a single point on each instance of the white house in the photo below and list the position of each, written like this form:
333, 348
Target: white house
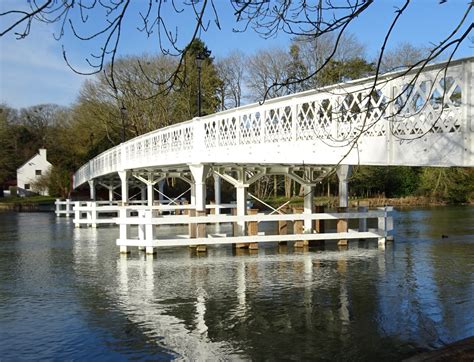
31, 171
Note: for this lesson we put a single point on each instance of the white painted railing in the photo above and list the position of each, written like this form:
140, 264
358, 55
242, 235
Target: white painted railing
146, 222
64, 207
323, 126
94, 213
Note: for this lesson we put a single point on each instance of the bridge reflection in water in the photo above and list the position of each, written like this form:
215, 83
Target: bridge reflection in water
357, 303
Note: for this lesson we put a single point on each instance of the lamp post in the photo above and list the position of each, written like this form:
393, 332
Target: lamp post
199, 60
123, 114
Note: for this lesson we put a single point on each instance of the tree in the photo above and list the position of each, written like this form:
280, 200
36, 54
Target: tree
187, 87
266, 68
452, 185
7, 144
232, 71
316, 51
402, 56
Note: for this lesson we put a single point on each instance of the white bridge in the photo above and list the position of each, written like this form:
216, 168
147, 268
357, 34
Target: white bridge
415, 118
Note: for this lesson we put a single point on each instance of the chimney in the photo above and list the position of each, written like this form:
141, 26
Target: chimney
42, 152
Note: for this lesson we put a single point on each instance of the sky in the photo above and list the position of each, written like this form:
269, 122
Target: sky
33, 71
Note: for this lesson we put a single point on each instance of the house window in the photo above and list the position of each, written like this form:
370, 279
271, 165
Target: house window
27, 186
38, 172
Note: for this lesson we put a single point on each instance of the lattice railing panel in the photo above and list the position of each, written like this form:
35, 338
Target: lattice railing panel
211, 130
278, 124
431, 105
227, 131
250, 127
314, 120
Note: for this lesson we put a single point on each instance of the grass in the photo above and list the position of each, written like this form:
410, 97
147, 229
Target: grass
29, 200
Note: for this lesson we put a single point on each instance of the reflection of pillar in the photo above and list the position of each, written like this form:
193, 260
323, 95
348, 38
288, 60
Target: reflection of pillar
217, 192
124, 186
143, 194
241, 289
308, 290
92, 189
122, 266
343, 174
343, 297
201, 326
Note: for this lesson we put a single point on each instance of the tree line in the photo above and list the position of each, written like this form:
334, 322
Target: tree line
139, 99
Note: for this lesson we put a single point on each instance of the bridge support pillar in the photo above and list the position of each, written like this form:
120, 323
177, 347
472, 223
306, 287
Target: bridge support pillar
241, 198
343, 174
308, 206
199, 172
217, 193
124, 186
150, 194
92, 189
110, 187
150, 181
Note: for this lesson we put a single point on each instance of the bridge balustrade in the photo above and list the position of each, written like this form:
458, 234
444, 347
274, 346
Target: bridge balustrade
370, 119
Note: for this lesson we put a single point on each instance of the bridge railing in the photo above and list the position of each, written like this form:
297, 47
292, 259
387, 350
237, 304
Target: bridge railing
397, 106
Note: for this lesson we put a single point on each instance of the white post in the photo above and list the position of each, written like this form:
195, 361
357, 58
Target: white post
217, 193
343, 173
308, 206
77, 214
124, 228
241, 196
111, 193
94, 214
68, 207
58, 207
193, 194
144, 194
382, 228
141, 228
149, 231
389, 222
89, 213
362, 220
92, 189
150, 193
124, 184
199, 172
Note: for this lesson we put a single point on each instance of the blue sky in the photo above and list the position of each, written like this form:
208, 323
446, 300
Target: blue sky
32, 70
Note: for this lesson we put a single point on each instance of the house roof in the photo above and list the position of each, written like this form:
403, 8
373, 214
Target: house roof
37, 154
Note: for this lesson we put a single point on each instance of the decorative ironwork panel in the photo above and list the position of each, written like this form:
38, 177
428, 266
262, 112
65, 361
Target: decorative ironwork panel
278, 124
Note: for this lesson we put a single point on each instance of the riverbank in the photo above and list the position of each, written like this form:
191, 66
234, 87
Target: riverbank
408, 201
27, 204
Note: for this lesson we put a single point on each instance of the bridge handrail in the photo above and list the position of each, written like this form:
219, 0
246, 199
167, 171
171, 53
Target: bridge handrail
335, 114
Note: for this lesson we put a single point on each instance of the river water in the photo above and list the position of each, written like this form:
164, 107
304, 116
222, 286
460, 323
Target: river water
66, 293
